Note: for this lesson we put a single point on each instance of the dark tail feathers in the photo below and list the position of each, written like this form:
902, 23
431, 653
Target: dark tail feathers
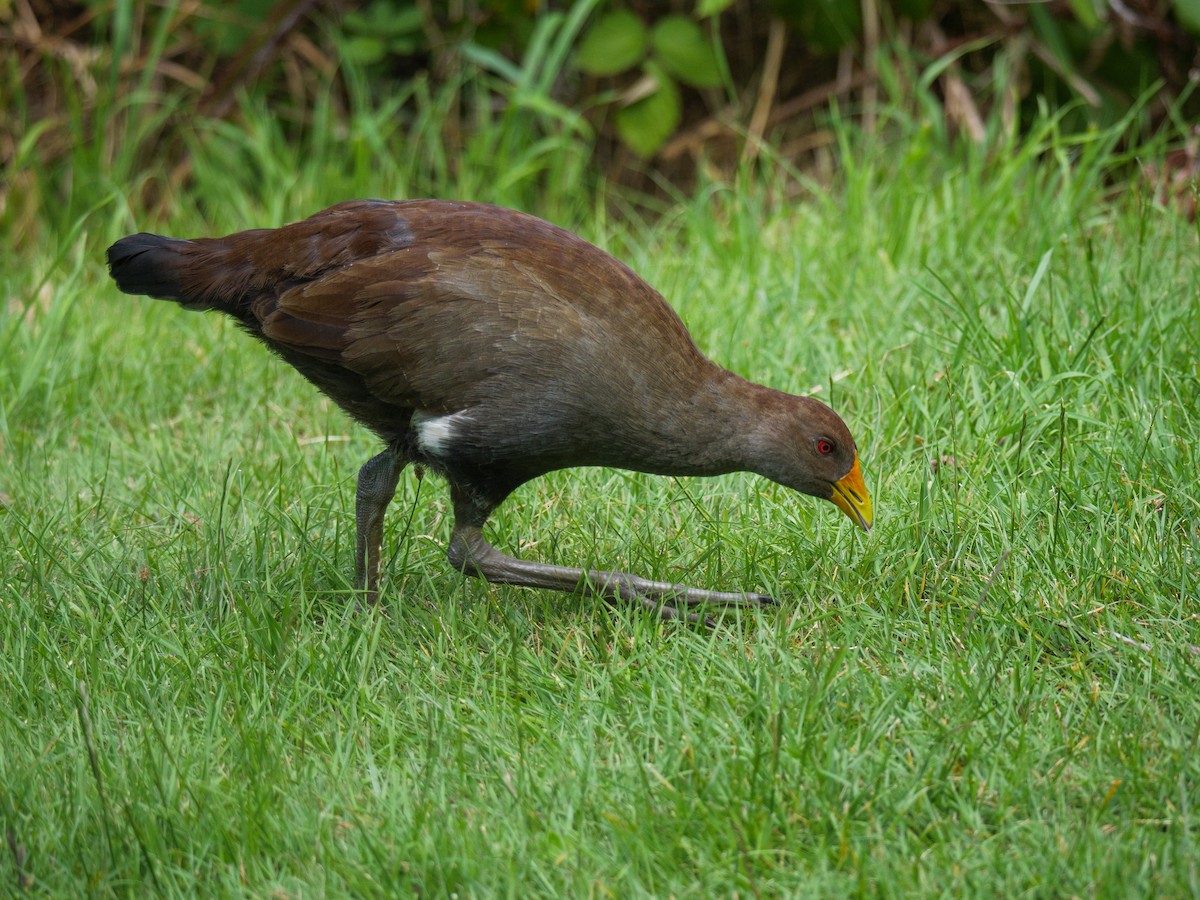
148, 264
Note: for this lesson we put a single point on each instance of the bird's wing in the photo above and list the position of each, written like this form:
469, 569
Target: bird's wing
428, 330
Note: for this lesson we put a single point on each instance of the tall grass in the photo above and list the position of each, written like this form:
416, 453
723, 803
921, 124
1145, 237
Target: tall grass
138, 154
993, 693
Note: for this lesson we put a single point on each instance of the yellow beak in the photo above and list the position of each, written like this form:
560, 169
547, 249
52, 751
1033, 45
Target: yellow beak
851, 497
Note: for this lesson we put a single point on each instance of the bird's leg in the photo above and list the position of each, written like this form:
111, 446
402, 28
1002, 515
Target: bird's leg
376, 487
471, 554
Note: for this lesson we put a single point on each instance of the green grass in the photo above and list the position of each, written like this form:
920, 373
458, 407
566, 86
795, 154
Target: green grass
994, 693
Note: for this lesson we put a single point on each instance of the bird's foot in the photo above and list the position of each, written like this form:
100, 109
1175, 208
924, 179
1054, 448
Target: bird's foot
471, 554
668, 601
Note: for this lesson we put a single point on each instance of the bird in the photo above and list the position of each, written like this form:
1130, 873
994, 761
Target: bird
492, 347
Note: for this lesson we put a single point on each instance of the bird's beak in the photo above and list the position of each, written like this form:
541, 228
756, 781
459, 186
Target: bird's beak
851, 497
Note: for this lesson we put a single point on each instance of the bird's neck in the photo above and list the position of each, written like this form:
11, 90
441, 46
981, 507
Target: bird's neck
734, 419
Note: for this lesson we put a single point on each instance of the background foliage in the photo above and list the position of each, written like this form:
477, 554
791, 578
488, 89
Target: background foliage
641, 94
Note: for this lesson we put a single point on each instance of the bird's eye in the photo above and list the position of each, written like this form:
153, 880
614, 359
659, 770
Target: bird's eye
824, 447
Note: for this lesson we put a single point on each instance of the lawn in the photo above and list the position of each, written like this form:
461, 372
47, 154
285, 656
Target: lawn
992, 693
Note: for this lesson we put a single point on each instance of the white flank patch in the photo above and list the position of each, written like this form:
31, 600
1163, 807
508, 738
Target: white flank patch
435, 434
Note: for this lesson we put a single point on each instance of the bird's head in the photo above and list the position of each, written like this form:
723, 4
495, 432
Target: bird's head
814, 453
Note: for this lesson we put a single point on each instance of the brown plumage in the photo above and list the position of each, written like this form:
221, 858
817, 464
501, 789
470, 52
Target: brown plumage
493, 347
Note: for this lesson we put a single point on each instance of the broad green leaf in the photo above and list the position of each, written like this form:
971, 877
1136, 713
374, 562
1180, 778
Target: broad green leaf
363, 49
383, 20
1188, 14
615, 43
1085, 12
645, 124
685, 52
706, 8
828, 25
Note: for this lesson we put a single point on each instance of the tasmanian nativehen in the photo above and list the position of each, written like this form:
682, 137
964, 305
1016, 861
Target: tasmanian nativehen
493, 347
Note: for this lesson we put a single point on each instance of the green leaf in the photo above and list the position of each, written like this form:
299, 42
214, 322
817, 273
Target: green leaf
382, 20
706, 8
1085, 12
615, 43
645, 124
1048, 28
1188, 14
828, 25
363, 49
685, 52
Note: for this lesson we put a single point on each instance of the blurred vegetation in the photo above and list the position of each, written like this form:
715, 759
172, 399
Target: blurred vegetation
639, 94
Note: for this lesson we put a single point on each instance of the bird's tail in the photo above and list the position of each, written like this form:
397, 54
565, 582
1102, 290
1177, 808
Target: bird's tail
148, 264
229, 273
193, 273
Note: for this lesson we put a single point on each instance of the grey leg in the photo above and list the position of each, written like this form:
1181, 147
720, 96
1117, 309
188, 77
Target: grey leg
376, 487
472, 555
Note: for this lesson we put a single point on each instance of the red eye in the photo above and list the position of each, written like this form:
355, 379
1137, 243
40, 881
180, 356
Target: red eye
824, 447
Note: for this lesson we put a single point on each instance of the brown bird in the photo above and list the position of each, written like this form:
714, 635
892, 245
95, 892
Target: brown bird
493, 347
